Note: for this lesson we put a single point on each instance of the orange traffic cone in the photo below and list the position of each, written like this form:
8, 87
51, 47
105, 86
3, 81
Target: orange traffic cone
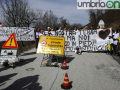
66, 84
64, 65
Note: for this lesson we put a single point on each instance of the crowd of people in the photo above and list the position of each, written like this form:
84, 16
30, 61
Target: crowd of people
39, 32
114, 43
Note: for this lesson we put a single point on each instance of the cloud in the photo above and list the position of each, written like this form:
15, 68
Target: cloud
66, 8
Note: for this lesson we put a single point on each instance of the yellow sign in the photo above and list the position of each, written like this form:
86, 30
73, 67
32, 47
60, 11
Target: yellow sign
51, 45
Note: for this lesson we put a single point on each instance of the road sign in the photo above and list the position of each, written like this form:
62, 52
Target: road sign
11, 42
51, 45
10, 59
5, 52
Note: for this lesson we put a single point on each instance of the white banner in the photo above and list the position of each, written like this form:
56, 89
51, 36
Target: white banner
21, 33
86, 40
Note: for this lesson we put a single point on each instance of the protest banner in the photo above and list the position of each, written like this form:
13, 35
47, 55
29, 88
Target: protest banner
51, 45
21, 33
86, 40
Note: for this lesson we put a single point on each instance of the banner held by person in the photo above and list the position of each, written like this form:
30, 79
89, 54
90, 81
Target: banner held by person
86, 40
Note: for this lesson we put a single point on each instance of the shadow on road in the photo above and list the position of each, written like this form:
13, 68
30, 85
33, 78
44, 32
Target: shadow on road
116, 58
25, 61
5, 78
95, 51
62, 58
3, 68
18, 64
28, 53
26, 83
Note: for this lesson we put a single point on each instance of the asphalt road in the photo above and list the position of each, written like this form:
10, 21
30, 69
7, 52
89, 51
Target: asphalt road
89, 71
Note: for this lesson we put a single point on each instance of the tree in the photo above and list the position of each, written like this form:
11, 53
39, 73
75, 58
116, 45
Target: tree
95, 16
49, 19
17, 13
63, 22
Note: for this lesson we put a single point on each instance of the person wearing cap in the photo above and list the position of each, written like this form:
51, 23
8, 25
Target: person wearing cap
59, 29
48, 29
86, 27
60, 32
109, 45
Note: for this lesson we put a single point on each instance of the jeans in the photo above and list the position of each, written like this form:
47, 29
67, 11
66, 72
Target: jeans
118, 47
77, 52
49, 61
37, 41
115, 47
64, 57
110, 52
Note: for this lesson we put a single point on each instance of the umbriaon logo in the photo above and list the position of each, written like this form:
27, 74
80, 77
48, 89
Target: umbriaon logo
98, 4
111, 4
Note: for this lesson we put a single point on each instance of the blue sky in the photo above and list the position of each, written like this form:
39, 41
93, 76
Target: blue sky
66, 8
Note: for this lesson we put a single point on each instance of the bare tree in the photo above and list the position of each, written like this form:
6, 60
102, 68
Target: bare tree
78, 25
45, 20
17, 13
95, 16
49, 19
63, 22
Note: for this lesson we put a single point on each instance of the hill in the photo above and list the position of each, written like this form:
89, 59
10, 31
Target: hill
111, 18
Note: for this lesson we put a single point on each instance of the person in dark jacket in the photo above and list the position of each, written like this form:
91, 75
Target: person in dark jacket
37, 37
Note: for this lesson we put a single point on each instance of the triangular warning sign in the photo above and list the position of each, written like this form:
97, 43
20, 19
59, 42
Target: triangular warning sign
11, 42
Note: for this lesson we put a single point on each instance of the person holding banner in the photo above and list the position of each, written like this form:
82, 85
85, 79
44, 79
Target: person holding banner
109, 45
86, 27
50, 56
41, 33
37, 37
115, 41
118, 44
65, 29
98, 27
59, 29
56, 29
49, 31
75, 29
